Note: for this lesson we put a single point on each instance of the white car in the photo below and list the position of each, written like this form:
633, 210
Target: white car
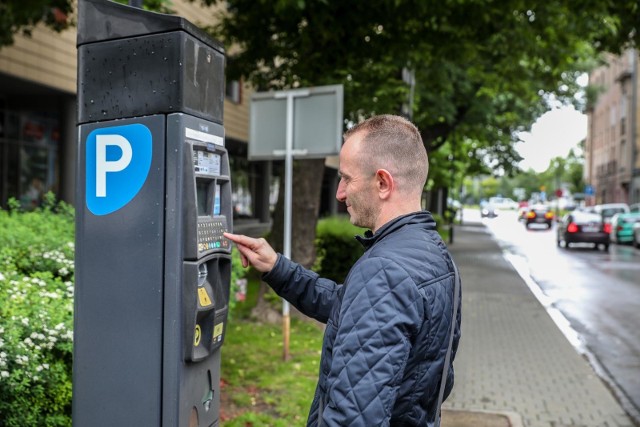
503, 203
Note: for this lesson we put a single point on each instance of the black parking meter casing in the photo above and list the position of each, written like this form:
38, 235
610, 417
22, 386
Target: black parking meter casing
153, 199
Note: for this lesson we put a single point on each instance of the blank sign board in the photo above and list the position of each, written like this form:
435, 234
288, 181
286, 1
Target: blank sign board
317, 123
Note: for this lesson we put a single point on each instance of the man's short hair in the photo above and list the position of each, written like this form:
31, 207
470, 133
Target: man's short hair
393, 143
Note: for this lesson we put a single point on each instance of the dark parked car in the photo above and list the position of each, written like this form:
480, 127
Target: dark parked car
583, 227
538, 214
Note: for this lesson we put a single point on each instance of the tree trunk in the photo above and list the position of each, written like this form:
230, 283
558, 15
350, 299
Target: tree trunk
307, 185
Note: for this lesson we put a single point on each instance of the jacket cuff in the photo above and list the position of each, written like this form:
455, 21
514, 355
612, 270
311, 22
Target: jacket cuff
279, 274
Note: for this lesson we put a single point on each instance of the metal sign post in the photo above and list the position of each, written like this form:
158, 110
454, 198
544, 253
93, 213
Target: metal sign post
288, 198
313, 121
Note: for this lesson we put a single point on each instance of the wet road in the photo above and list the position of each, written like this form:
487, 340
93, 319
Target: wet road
594, 296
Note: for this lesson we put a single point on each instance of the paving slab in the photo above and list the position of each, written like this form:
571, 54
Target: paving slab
512, 357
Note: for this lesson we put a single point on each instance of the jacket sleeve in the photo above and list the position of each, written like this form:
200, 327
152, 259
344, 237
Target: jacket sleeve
380, 312
309, 293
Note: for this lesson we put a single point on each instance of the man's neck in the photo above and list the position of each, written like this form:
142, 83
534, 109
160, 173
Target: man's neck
391, 212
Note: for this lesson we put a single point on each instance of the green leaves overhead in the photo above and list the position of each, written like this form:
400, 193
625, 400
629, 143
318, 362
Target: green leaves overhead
483, 68
19, 16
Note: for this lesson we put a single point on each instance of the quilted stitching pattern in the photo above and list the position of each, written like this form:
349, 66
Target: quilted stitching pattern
385, 340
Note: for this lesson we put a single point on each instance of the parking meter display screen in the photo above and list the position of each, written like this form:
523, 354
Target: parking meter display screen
202, 188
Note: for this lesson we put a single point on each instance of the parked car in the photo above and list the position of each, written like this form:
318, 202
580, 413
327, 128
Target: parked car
583, 227
488, 211
634, 207
622, 227
503, 203
636, 235
608, 210
538, 214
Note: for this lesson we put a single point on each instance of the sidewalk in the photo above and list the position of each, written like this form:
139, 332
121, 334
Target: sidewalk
514, 366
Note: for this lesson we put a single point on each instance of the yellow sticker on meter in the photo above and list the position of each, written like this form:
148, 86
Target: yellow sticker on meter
196, 336
203, 296
217, 330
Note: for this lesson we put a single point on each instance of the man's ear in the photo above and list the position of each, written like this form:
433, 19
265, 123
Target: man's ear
384, 183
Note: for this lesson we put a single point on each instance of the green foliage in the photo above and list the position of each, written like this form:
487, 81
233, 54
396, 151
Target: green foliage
336, 247
238, 273
18, 16
36, 316
484, 70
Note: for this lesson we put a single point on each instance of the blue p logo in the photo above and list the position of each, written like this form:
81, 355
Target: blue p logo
118, 160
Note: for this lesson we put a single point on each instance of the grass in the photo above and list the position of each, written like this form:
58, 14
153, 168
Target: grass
258, 387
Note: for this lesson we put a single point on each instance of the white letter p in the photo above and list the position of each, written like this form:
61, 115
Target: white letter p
103, 166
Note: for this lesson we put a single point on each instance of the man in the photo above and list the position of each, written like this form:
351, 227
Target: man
388, 326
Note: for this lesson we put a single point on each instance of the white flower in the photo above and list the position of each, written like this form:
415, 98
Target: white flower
1, 276
4, 374
25, 321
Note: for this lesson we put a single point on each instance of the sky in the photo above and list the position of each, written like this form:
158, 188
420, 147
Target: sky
554, 134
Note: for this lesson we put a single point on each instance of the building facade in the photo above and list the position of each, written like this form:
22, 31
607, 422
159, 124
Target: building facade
612, 162
38, 116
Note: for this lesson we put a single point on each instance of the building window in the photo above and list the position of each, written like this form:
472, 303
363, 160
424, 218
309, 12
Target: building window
28, 157
623, 123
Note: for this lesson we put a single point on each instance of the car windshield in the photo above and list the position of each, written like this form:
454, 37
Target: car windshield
582, 217
608, 213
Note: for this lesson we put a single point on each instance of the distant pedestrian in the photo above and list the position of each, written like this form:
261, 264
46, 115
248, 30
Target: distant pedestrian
388, 326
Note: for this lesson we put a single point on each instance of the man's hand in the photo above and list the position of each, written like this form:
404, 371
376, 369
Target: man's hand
255, 252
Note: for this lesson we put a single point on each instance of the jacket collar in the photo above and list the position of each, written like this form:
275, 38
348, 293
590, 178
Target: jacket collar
421, 217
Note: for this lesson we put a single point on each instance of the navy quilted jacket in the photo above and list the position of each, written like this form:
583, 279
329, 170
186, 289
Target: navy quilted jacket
387, 327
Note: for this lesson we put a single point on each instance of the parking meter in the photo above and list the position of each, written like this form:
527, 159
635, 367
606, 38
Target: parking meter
153, 199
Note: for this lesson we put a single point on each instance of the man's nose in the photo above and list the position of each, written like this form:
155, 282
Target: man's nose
340, 195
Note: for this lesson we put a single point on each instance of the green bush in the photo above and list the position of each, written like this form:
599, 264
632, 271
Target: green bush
36, 316
336, 247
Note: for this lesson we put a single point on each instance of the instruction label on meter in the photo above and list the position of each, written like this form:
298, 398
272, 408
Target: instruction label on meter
205, 162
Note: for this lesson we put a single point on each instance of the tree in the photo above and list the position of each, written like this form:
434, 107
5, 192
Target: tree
484, 70
21, 17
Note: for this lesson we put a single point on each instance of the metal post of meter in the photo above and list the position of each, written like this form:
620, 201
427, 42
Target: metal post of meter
288, 197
